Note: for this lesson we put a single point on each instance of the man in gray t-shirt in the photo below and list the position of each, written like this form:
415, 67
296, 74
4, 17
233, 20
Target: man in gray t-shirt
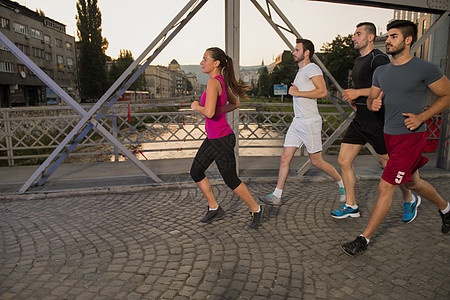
404, 83
405, 89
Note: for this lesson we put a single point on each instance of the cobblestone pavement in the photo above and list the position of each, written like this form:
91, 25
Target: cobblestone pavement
150, 245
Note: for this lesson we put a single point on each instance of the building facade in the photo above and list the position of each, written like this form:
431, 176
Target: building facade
278, 60
46, 43
193, 80
170, 81
158, 79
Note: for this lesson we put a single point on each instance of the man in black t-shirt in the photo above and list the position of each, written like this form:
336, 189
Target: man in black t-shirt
367, 127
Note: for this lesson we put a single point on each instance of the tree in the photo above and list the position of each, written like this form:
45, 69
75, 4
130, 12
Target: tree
119, 66
93, 81
339, 58
189, 86
263, 82
40, 12
285, 71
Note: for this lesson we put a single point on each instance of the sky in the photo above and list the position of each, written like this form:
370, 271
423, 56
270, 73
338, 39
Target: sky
134, 24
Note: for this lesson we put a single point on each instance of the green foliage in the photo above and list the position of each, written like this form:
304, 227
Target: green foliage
93, 81
264, 82
284, 72
189, 86
119, 65
339, 58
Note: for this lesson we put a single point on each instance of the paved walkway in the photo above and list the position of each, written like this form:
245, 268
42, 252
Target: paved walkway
144, 241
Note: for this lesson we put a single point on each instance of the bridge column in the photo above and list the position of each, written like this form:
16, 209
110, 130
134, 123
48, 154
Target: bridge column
232, 28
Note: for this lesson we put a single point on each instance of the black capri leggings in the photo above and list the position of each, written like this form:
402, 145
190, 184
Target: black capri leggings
221, 151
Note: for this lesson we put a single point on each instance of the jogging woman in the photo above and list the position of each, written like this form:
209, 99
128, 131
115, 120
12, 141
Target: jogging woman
221, 96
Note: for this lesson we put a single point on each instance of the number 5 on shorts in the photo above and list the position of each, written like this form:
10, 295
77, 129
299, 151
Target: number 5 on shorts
399, 177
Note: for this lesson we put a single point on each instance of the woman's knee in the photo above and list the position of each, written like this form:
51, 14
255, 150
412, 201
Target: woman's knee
231, 179
233, 183
197, 174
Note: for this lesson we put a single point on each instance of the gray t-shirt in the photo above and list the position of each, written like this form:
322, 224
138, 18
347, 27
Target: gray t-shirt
405, 90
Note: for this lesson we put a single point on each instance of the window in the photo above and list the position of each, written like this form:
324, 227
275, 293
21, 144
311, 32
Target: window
23, 68
424, 26
24, 48
4, 23
60, 75
36, 33
59, 59
58, 43
3, 47
70, 61
37, 52
56, 26
6, 67
48, 56
69, 46
20, 28
47, 39
48, 72
71, 76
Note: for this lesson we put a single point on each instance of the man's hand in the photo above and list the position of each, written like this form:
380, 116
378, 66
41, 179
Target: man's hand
293, 90
350, 95
412, 121
377, 103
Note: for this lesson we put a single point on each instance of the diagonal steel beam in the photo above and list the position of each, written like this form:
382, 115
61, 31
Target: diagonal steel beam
292, 30
118, 94
87, 116
429, 32
60, 92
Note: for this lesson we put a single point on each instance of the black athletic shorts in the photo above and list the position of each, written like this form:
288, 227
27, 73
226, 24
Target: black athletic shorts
360, 133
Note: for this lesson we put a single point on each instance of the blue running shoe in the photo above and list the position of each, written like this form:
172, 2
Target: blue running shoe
345, 212
342, 196
410, 209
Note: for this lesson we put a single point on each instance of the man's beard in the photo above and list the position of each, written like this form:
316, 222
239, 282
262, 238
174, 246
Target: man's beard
360, 46
299, 59
396, 50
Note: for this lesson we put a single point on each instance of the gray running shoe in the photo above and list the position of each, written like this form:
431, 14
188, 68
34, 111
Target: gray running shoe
445, 222
271, 199
257, 218
357, 246
342, 196
213, 215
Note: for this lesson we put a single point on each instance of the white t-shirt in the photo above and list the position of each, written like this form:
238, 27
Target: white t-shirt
306, 107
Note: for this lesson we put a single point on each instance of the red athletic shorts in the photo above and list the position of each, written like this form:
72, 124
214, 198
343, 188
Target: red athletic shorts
405, 156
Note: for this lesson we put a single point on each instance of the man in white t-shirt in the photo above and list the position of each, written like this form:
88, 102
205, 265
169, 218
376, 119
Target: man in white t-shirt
306, 127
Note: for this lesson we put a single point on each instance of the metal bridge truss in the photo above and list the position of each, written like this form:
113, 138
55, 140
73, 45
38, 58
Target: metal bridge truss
90, 122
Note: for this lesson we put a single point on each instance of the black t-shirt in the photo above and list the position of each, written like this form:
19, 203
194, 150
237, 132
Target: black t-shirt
362, 78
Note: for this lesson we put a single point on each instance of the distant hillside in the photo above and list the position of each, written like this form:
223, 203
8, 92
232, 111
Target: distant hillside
197, 70
203, 78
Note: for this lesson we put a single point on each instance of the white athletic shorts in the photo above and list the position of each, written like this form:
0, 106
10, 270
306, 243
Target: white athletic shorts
307, 132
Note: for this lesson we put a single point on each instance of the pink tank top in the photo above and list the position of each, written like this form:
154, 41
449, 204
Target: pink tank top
217, 126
